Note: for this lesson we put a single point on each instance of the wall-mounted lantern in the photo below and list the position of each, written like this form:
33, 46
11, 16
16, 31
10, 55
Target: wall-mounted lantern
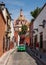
33, 31
43, 25
12, 19
10, 13
36, 29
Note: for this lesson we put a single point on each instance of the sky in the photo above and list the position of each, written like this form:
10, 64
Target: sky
27, 6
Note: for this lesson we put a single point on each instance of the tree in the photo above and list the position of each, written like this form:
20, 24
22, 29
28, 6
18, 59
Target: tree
35, 12
23, 29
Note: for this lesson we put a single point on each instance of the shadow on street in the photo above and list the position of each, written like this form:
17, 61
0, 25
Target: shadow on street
32, 54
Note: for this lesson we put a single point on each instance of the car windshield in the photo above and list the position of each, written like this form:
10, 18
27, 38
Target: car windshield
21, 45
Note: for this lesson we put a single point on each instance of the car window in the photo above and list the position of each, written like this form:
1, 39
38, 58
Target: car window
21, 45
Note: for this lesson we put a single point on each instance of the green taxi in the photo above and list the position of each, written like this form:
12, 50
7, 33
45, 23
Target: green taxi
21, 47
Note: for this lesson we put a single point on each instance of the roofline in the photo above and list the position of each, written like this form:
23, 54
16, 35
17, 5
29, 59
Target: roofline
43, 6
8, 13
40, 11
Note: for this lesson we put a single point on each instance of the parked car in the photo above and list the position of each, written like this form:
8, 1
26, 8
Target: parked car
21, 47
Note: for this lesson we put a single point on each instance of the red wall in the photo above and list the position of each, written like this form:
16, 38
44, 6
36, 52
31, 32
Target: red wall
16, 36
27, 39
11, 45
2, 33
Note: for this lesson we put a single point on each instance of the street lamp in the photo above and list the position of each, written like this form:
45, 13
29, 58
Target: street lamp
12, 19
43, 25
10, 15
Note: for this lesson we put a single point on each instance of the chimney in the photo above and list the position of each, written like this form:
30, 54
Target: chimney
2, 5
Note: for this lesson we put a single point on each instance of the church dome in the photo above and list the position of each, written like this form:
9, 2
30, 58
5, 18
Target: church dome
21, 18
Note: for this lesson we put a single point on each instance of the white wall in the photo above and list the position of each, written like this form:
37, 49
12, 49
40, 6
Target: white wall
12, 30
4, 13
38, 21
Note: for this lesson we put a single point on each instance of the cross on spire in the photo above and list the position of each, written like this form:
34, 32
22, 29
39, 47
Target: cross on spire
21, 12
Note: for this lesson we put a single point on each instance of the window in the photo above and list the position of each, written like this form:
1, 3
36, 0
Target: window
41, 40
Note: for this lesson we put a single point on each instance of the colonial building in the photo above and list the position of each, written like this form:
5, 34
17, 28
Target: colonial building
21, 20
39, 37
5, 29
7, 17
2, 32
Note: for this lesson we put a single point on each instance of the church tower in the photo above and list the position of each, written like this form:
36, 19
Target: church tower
21, 20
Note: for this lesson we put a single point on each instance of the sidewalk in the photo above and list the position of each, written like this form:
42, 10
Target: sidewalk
4, 58
39, 55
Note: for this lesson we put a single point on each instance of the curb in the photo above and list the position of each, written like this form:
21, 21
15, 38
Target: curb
6, 60
11, 51
2, 62
44, 63
41, 60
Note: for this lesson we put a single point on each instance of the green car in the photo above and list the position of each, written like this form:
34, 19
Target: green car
21, 47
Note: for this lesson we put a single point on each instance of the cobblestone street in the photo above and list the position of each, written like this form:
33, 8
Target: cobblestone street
21, 58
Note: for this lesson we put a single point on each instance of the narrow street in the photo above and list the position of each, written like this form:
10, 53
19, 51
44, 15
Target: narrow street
21, 58
22, 32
